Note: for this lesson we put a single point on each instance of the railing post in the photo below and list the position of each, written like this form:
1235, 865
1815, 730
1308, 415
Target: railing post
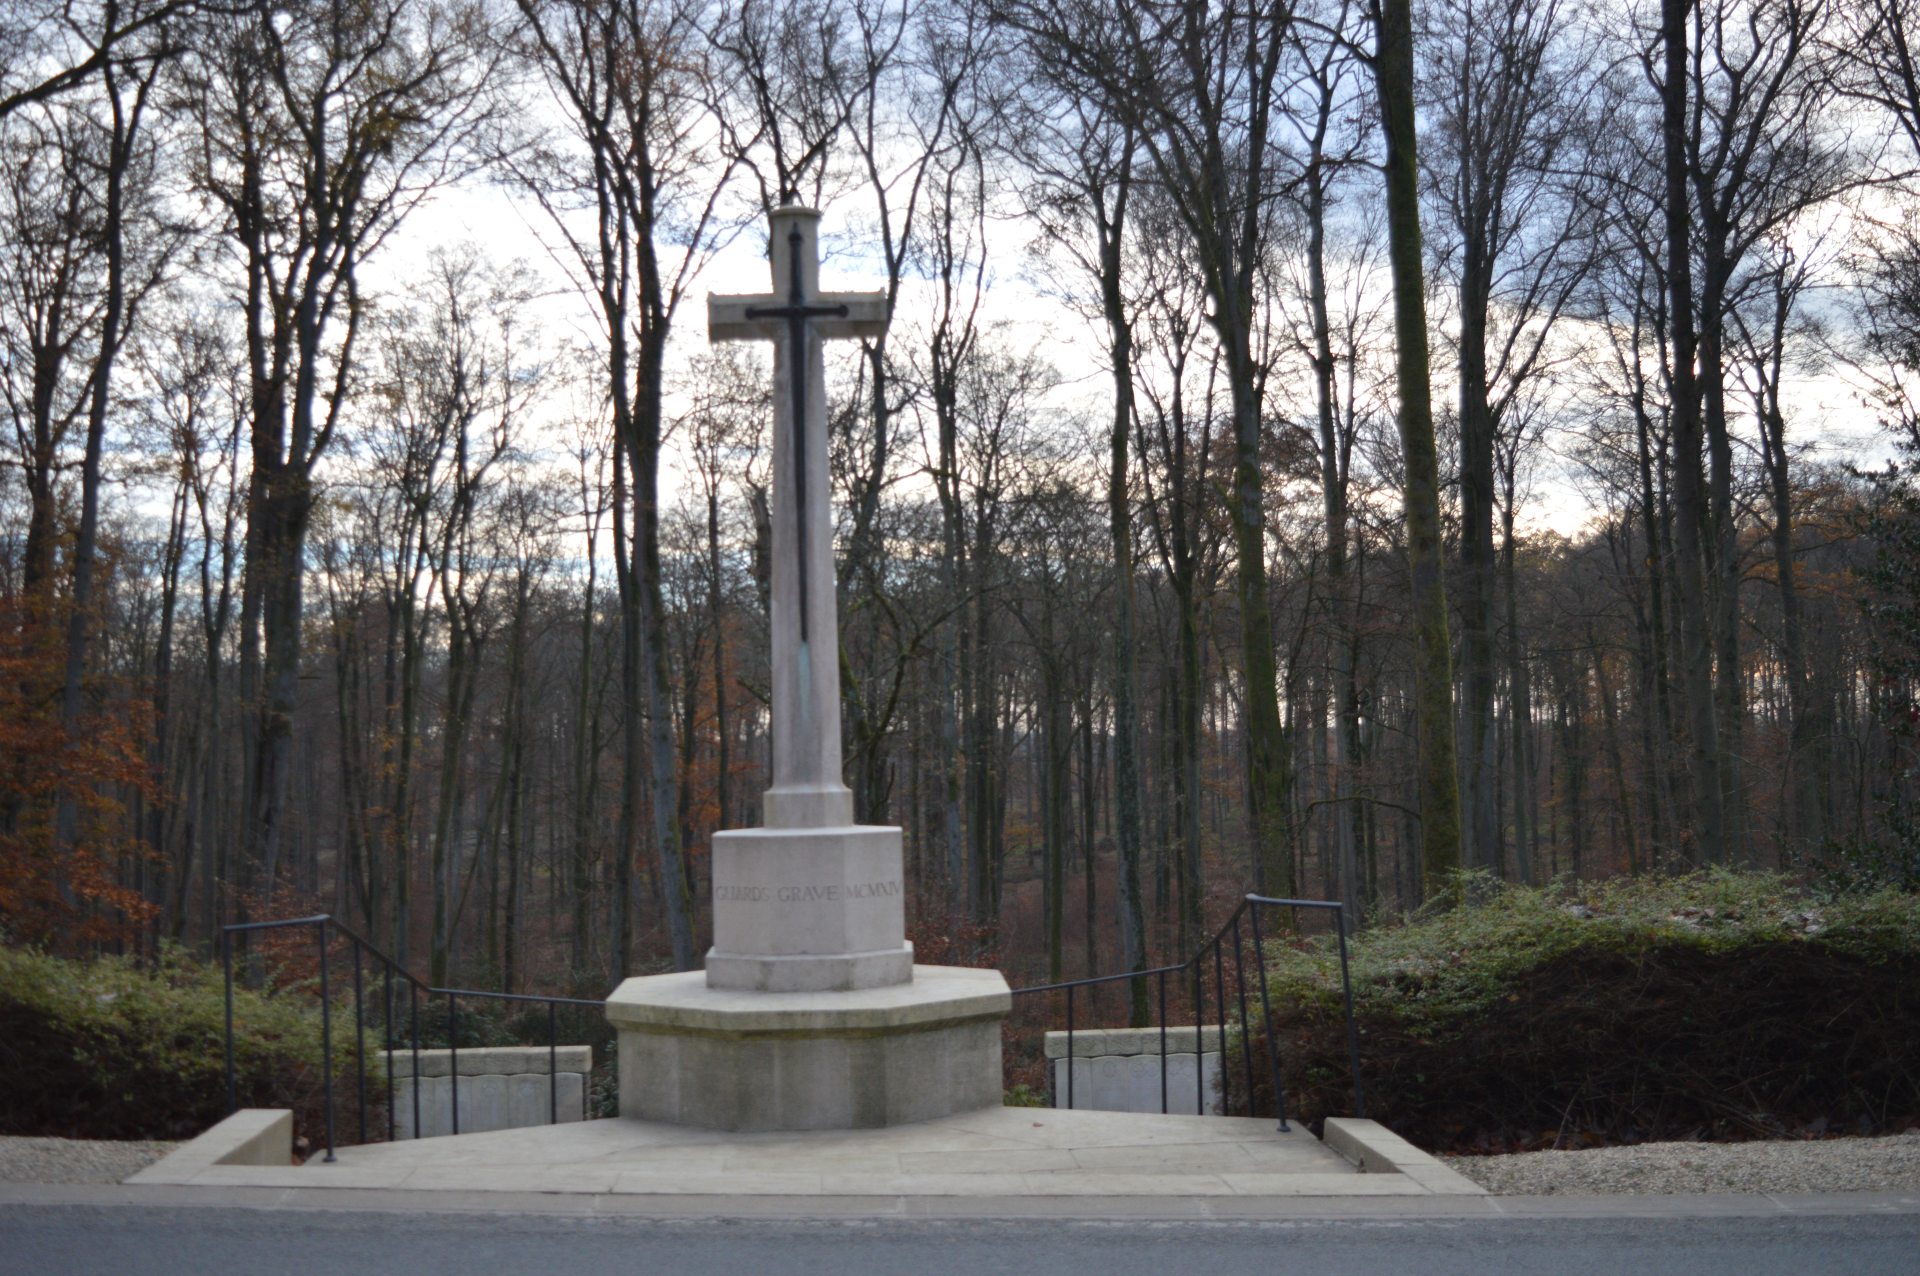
1353, 1033
359, 1039
1161, 979
326, 1033
226, 964
1070, 1060
386, 1035
1240, 989
453, 1061
1266, 1017
413, 1012
1199, 1038
1220, 1003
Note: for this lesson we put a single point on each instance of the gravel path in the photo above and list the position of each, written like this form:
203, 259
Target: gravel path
1818, 1165
25, 1160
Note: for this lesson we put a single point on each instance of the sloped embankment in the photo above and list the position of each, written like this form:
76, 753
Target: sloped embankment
1721, 1006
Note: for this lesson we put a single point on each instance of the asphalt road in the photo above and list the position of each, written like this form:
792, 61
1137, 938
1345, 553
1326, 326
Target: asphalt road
124, 1240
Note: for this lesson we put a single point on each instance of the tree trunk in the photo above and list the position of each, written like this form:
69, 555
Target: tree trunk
1480, 764
1437, 780
585, 751
1333, 498
1526, 820
632, 740
1806, 820
1055, 719
1689, 497
113, 319
1659, 734
1269, 750
1126, 782
722, 762
1723, 555
657, 676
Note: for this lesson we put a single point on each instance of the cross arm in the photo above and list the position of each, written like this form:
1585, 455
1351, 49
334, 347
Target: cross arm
866, 314
727, 318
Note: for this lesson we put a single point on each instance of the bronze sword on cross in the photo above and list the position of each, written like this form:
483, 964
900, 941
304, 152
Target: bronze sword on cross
802, 312
797, 313
804, 675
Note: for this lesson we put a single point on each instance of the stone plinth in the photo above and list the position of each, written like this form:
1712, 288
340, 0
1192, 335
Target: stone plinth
808, 910
737, 1059
1118, 1069
501, 1088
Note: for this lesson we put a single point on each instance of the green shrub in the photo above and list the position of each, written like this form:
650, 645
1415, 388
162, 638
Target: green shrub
1717, 1005
109, 1049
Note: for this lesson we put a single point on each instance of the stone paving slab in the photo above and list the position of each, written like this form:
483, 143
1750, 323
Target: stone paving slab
992, 1153
1010, 1153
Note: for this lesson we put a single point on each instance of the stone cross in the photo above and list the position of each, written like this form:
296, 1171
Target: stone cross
807, 790
810, 1014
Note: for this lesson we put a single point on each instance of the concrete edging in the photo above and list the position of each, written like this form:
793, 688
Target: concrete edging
251, 1136
1375, 1149
866, 1210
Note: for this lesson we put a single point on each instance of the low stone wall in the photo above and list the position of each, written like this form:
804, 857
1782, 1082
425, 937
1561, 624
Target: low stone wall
251, 1136
1118, 1069
501, 1088
1374, 1149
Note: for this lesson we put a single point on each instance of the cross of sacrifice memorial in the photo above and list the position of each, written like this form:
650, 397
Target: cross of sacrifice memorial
811, 1013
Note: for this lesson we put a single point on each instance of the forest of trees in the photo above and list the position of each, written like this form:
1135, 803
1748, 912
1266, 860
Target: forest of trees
1315, 448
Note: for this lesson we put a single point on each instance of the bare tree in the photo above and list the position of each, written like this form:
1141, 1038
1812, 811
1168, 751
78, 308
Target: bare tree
631, 195
1176, 411
50, 288
1085, 157
1507, 81
723, 429
1878, 44
789, 79
1439, 782
911, 132
1326, 89
1199, 85
318, 131
51, 48
1760, 151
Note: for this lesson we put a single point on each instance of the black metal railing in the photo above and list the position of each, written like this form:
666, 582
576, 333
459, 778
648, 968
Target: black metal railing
397, 1029
1212, 1015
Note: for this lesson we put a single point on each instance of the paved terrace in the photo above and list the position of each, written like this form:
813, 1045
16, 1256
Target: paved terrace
996, 1152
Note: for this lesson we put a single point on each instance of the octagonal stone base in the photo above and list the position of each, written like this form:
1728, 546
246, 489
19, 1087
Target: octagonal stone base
733, 1059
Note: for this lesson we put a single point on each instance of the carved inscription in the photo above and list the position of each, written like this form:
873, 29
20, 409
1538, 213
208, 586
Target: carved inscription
830, 894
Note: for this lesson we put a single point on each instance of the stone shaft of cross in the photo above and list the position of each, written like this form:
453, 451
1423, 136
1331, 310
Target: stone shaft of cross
807, 790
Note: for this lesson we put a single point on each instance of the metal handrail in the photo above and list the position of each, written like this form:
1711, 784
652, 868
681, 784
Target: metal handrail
416, 988
1214, 950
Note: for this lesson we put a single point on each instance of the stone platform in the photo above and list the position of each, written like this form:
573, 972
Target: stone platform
745, 1060
1015, 1154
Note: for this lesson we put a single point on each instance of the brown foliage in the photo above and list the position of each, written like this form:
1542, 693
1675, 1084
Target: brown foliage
56, 890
